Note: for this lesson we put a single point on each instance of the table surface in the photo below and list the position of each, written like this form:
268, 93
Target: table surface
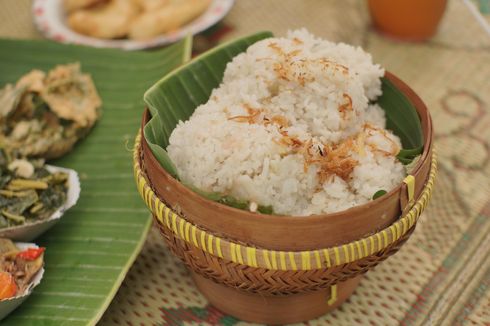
442, 275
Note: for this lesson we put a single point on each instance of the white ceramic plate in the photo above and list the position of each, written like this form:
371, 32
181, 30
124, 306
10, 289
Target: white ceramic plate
9, 305
30, 231
49, 18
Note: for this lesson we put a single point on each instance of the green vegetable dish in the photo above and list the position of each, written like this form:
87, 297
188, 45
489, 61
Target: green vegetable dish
29, 192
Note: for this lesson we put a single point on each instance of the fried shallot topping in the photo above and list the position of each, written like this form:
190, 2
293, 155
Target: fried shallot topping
337, 160
288, 65
277, 120
346, 107
258, 116
252, 117
369, 129
331, 160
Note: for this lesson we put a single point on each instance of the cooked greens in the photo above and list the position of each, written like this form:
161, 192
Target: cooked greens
28, 191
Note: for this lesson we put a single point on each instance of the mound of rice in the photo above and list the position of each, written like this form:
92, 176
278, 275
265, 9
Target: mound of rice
291, 127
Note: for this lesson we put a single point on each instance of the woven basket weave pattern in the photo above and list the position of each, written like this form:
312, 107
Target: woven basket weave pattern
271, 282
292, 272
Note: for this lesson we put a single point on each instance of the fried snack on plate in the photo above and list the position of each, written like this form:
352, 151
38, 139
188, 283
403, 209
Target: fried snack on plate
167, 18
72, 5
71, 95
107, 20
44, 115
150, 5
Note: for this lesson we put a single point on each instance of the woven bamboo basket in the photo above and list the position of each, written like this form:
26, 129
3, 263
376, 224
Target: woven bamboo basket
280, 269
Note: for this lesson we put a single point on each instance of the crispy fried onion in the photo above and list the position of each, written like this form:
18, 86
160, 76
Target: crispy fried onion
331, 159
337, 159
369, 130
285, 66
258, 116
346, 107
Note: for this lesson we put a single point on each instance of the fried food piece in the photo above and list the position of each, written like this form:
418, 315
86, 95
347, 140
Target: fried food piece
72, 5
48, 114
165, 19
33, 81
150, 5
71, 95
108, 20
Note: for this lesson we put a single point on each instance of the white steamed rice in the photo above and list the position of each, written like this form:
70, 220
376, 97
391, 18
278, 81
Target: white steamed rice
266, 132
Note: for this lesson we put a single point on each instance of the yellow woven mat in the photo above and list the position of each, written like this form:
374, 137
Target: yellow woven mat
442, 275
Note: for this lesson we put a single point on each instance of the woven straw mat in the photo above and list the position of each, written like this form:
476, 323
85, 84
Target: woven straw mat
442, 275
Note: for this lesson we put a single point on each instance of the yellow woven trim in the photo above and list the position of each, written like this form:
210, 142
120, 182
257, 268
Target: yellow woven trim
174, 223
393, 233
239, 254
418, 209
292, 262
233, 252
305, 260
359, 250
282, 257
210, 244
274, 261
317, 259
385, 237
145, 196
398, 228
333, 295
411, 218
364, 245
346, 253
167, 218
327, 257
371, 240
181, 228
203, 241
160, 212
187, 231
404, 226
251, 257
337, 256
410, 182
149, 201
380, 242
268, 264
194, 235
218, 247
140, 184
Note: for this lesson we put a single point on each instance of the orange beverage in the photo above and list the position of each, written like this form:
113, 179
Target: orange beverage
412, 20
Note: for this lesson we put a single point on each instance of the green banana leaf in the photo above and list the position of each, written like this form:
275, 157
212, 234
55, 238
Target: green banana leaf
176, 96
90, 250
379, 193
403, 120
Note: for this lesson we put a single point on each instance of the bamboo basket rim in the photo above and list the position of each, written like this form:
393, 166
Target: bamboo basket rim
248, 255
